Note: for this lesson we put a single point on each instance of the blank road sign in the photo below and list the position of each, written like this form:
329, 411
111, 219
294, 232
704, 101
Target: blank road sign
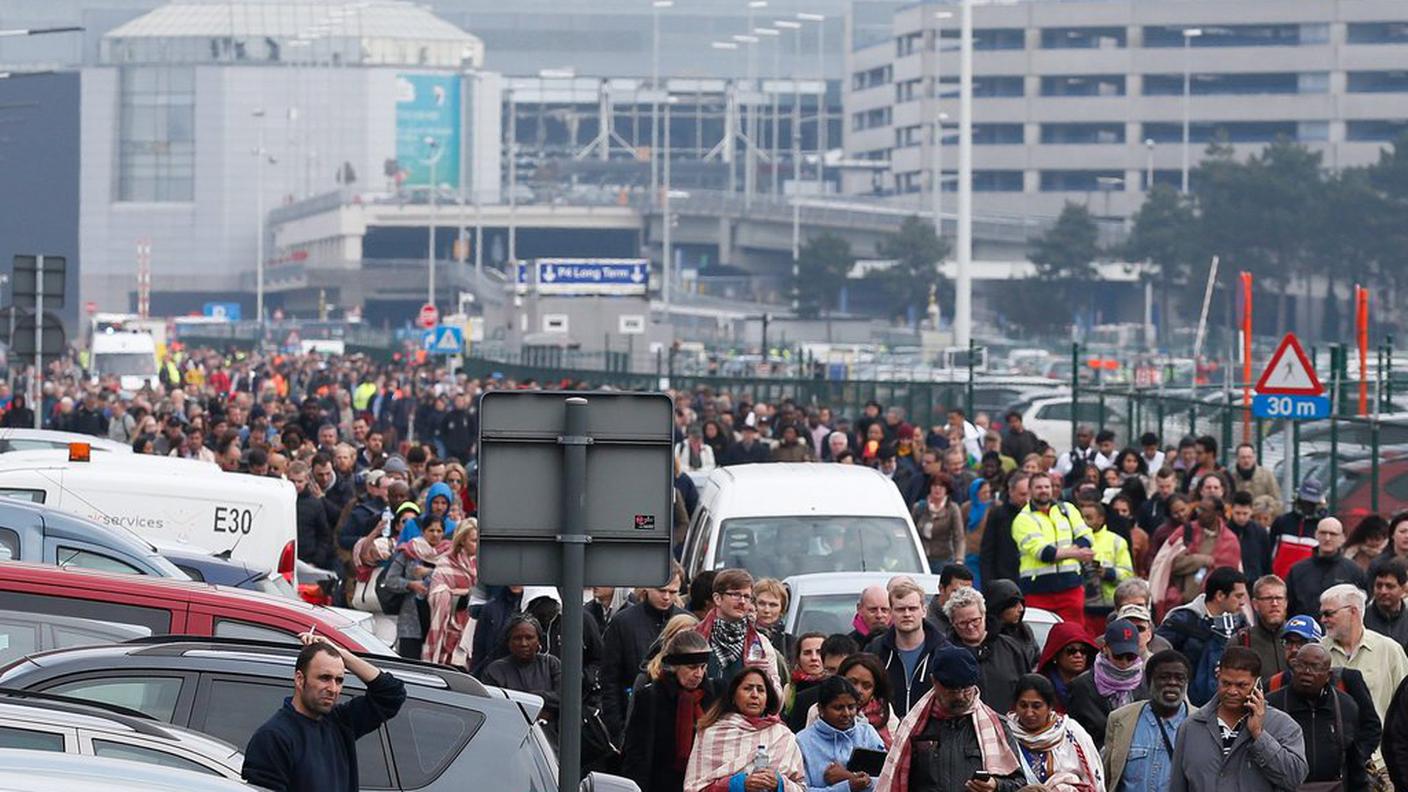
628, 508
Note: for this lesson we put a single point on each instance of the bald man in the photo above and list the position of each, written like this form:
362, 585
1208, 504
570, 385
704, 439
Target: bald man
1328, 567
872, 615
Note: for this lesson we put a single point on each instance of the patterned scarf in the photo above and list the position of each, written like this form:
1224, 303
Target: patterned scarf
727, 747
998, 758
727, 639
1040, 749
877, 713
447, 641
1117, 684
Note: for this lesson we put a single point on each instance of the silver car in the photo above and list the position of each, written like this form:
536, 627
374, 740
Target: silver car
38, 771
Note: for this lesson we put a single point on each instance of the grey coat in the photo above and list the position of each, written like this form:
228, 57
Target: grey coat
397, 579
1274, 762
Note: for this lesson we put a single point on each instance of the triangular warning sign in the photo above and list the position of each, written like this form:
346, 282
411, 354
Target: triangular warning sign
1289, 373
447, 342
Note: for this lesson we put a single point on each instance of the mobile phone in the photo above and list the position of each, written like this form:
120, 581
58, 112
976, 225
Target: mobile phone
982, 775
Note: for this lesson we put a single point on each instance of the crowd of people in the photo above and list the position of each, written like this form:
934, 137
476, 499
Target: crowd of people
1206, 637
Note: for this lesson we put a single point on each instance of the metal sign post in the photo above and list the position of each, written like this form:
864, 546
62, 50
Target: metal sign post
608, 458
37, 402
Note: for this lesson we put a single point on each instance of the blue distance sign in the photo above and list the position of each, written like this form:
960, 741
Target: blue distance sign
1290, 408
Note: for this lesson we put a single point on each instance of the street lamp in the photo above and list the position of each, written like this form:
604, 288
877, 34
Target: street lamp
433, 160
655, 8
820, 20
796, 28
666, 221
259, 156
939, 117
1188, 35
776, 36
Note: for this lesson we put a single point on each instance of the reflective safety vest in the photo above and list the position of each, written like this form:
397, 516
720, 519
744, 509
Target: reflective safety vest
1112, 553
1038, 536
362, 396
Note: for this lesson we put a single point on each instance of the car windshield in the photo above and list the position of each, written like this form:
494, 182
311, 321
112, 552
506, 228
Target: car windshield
370, 643
825, 613
125, 363
780, 547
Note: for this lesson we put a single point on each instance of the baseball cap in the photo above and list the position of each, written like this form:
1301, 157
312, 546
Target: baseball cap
1134, 611
373, 477
1311, 490
1122, 637
1304, 627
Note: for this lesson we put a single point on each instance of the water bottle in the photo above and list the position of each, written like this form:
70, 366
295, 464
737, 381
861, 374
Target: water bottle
760, 759
386, 522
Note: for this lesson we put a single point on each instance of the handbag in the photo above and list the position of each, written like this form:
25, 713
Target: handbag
1330, 786
389, 598
364, 596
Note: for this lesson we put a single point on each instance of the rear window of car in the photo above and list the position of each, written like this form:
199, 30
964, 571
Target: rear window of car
30, 740
427, 737
156, 696
158, 620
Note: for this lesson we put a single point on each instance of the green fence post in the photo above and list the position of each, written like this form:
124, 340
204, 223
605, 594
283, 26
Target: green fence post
1294, 452
1226, 428
1388, 377
1334, 427
1260, 429
1374, 464
1193, 419
968, 397
1159, 407
1129, 411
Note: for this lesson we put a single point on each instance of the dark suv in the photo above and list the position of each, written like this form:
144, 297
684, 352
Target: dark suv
451, 729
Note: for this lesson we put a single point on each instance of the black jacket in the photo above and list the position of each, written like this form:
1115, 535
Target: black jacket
360, 522
1395, 627
1090, 709
625, 646
457, 430
905, 692
491, 629
1002, 660
1395, 737
293, 753
1000, 559
1313, 575
648, 753
1332, 753
315, 543
1256, 548
739, 454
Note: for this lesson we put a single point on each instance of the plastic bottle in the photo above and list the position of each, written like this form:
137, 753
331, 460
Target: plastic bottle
386, 522
760, 759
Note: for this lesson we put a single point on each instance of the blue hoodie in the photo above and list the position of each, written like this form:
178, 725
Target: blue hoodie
821, 745
437, 490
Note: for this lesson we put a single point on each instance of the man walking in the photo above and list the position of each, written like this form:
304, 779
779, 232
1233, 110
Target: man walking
1269, 607
310, 745
1327, 567
1235, 742
1054, 542
1139, 737
1386, 613
1336, 749
1381, 661
626, 644
905, 648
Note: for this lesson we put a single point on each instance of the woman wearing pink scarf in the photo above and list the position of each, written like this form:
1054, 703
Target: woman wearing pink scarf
728, 739
451, 630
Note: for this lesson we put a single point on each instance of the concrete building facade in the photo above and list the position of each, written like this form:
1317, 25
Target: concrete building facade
1084, 101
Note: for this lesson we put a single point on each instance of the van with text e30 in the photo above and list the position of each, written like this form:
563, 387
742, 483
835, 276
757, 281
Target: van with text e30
165, 500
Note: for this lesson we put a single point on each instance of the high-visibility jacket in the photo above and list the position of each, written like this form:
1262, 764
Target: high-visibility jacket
1038, 536
1112, 553
362, 396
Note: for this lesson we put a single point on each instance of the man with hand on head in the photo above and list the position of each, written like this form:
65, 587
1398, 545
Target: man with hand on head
310, 745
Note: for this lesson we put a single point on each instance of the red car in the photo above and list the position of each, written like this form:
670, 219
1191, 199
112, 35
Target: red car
174, 607
1355, 491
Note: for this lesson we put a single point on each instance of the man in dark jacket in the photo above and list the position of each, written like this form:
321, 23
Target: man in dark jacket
311, 743
1002, 659
1256, 542
315, 543
1121, 681
1335, 747
626, 645
1386, 614
458, 428
1297, 526
88, 418
1000, 559
1269, 616
366, 514
904, 649
1328, 567
1395, 740
749, 449
1303, 631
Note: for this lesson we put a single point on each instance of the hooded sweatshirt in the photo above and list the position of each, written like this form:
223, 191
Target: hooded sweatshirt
821, 744
1061, 636
437, 490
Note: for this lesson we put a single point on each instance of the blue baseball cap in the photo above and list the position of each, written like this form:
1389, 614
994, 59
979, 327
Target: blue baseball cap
1304, 627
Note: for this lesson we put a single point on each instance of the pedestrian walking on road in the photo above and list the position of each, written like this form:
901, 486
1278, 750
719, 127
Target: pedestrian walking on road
660, 729
310, 745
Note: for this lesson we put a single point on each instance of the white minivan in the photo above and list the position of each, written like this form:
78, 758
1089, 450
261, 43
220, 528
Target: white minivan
167, 501
781, 519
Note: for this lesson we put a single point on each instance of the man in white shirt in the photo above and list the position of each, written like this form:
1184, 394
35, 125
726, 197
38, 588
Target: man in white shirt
1379, 658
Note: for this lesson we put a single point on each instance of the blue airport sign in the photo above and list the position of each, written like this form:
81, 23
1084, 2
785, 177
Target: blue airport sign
1290, 408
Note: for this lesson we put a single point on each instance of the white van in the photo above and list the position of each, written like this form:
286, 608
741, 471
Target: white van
781, 519
164, 500
128, 355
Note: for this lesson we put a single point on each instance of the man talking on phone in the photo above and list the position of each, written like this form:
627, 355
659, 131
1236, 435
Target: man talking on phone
1235, 742
951, 741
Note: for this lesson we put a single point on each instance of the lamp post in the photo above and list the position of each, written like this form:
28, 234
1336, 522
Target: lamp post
937, 173
820, 20
259, 156
963, 286
667, 246
434, 160
656, 7
1149, 165
775, 35
1188, 35
796, 28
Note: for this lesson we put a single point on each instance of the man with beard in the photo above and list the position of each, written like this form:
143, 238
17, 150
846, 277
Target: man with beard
1139, 737
311, 743
734, 641
1385, 613
1269, 607
1054, 542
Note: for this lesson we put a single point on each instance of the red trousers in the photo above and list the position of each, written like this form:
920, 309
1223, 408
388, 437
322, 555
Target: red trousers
1068, 604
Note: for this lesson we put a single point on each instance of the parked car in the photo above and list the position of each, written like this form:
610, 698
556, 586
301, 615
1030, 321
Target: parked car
451, 728
1050, 417
783, 519
826, 602
30, 532
48, 439
1355, 490
48, 771
23, 633
175, 607
204, 566
41, 722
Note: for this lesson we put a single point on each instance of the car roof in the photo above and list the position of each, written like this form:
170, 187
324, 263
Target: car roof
46, 771
161, 590
78, 714
146, 463
65, 525
823, 583
64, 438
802, 488
213, 568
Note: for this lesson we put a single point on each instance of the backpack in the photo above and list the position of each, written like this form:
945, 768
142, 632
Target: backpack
390, 599
1202, 686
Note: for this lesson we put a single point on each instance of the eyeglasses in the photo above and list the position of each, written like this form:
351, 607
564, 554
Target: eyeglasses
1140, 627
973, 622
1325, 614
741, 596
1074, 650
1270, 598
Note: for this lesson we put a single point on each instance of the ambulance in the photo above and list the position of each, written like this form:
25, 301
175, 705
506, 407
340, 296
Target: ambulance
168, 501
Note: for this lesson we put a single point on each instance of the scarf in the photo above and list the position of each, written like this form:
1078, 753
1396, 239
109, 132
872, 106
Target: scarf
450, 632
979, 508
998, 758
1043, 752
727, 640
877, 713
696, 459
1117, 684
419, 549
800, 678
727, 748
687, 713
